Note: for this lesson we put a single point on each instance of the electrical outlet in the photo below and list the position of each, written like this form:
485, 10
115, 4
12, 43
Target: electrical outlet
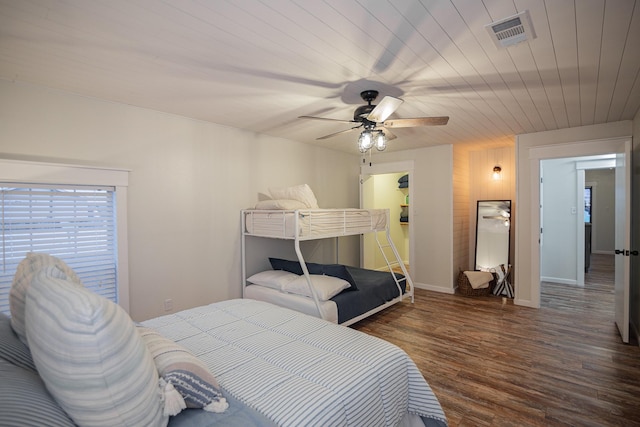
168, 304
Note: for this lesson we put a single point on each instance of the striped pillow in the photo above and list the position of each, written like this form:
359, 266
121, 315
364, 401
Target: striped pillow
27, 268
11, 348
188, 375
90, 356
25, 401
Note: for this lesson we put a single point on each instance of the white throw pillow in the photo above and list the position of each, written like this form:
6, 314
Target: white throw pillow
301, 193
90, 356
25, 272
274, 279
281, 204
326, 287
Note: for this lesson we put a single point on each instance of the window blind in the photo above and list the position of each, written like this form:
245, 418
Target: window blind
74, 223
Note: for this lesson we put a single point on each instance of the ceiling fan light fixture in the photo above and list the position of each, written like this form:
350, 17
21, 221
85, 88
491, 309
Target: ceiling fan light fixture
365, 141
381, 141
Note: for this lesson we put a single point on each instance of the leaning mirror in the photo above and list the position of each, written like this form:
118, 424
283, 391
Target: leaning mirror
493, 228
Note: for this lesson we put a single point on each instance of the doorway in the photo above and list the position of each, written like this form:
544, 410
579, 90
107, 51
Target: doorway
622, 149
567, 216
579, 194
387, 186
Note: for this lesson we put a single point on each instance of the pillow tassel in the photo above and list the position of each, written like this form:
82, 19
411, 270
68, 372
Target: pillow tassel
217, 405
173, 401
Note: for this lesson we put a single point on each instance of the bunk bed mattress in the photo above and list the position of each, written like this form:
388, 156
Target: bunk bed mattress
315, 223
375, 288
299, 303
301, 370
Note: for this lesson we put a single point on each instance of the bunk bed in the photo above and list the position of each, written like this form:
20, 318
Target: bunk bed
295, 283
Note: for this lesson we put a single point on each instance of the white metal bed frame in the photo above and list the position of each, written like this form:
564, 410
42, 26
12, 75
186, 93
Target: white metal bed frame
323, 224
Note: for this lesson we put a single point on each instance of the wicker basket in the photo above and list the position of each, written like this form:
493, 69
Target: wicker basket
464, 287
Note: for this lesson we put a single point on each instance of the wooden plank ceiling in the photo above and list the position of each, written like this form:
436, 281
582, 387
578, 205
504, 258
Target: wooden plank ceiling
258, 65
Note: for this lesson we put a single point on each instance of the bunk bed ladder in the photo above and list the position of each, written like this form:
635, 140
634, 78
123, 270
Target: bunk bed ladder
407, 278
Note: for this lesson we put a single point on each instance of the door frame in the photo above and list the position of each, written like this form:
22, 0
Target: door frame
561, 150
382, 169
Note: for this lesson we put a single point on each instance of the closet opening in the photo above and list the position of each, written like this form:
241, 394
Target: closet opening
388, 186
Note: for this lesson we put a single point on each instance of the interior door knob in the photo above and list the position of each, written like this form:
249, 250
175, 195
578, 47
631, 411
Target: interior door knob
635, 253
619, 251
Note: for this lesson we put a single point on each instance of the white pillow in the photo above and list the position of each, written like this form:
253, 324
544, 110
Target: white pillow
326, 287
274, 279
25, 272
90, 356
285, 204
301, 193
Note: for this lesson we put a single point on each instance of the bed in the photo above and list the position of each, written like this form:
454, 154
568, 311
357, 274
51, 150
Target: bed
369, 291
266, 355
79, 359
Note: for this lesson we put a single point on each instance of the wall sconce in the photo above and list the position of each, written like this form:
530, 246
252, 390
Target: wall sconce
497, 172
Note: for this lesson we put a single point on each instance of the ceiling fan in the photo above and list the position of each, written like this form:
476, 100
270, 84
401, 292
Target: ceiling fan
373, 119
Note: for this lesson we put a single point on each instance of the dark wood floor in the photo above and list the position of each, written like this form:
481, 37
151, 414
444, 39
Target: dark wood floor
504, 365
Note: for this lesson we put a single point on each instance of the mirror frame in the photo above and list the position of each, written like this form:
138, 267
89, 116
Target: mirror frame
508, 234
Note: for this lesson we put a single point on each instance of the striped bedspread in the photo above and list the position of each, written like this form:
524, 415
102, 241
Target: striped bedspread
300, 370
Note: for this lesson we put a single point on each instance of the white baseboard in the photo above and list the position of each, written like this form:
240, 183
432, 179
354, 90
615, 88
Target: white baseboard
434, 288
525, 303
558, 280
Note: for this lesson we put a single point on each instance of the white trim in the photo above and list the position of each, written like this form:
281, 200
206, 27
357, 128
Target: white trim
561, 150
58, 173
435, 288
580, 228
596, 164
558, 280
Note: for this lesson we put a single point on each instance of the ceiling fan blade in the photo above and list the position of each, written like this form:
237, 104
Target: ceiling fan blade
384, 109
418, 121
338, 133
326, 118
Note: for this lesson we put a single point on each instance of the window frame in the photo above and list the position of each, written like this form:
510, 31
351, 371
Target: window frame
29, 172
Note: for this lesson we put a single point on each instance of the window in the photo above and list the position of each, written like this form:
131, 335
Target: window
84, 225
587, 204
75, 224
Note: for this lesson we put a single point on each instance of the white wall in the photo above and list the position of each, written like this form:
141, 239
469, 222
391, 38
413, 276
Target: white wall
527, 148
432, 214
558, 254
189, 180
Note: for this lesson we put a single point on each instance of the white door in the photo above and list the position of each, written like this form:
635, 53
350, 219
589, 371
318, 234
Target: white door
622, 241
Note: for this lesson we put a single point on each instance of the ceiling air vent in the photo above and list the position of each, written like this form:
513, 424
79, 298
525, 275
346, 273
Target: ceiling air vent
511, 30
